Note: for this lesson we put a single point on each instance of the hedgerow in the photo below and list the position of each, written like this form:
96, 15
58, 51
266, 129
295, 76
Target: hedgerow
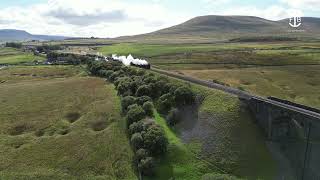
141, 92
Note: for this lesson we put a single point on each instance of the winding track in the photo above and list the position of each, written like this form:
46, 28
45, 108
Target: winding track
237, 92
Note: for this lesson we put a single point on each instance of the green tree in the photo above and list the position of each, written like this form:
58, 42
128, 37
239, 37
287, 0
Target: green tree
146, 166
120, 80
149, 79
109, 73
136, 127
141, 154
136, 141
184, 96
155, 140
148, 108
144, 90
114, 75
135, 114
126, 102
165, 103
14, 45
141, 100
124, 88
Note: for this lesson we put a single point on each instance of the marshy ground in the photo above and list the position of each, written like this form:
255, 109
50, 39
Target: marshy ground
58, 123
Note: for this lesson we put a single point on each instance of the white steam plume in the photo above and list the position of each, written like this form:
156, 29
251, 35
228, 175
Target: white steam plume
130, 59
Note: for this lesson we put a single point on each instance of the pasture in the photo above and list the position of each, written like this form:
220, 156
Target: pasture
58, 123
14, 56
300, 84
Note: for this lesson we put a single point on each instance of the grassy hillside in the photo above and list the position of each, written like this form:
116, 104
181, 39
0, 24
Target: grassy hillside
229, 137
213, 29
221, 28
221, 138
20, 35
181, 162
14, 56
56, 123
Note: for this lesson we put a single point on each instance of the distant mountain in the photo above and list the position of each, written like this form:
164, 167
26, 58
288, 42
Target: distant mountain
213, 28
20, 35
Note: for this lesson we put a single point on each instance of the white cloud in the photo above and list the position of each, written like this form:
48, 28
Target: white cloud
102, 18
303, 4
271, 13
112, 18
216, 2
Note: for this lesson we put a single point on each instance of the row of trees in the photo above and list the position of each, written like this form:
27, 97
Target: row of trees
13, 45
168, 97
139, 91
48, 48
65, 58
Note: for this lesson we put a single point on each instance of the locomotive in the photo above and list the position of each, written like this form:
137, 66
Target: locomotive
144, 66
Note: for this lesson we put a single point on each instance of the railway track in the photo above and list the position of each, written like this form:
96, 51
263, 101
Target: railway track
241, 94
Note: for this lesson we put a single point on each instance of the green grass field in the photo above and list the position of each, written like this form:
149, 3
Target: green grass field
287, 70
155, 52
300, 84
39, 73
57, 123
13, 56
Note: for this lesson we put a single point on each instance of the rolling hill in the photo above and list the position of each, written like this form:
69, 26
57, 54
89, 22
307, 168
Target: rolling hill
20, 35
221, 28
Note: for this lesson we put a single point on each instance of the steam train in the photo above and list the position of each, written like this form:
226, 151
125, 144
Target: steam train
134, 62
144, 66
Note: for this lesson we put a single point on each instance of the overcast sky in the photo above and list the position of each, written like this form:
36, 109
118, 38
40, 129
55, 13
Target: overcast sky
112, 18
